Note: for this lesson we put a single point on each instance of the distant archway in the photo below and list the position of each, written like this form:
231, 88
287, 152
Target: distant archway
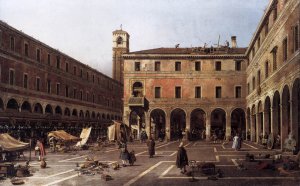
38, 108
197, 121
26, 107
178, 123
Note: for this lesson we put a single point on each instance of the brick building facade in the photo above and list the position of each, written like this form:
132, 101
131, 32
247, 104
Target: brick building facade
42, 89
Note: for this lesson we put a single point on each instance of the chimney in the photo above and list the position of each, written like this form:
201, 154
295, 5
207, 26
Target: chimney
233, 41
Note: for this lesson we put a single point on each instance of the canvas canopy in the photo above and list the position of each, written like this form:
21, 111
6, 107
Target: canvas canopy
117, 131
85, 134
63, 135
9, 144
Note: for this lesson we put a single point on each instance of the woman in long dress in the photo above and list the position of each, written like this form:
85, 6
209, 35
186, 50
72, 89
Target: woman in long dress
236, 141
182, 158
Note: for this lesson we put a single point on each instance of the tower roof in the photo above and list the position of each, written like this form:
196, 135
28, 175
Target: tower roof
119, 32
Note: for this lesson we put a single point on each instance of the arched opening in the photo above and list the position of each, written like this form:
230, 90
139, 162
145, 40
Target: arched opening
13, 105
238, 122
108, 116
26, 107
267, 116
296, 111
38, 108
253, 123
103, 116
49, 109
67, 112
286, 120
137, 89
87, 114
259, 123
93, 115
74, 113
98, 116
178, 123
276, 116
248, 134
58, 110
112, 117
198, 118
120, 41
81, 115
1, 105
218, 122
158, 123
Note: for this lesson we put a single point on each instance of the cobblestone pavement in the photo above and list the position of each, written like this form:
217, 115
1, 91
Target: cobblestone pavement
161, 169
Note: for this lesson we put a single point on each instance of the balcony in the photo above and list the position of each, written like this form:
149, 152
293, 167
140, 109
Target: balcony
136, 101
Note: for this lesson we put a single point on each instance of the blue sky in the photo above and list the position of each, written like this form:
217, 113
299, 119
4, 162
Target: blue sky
83, 28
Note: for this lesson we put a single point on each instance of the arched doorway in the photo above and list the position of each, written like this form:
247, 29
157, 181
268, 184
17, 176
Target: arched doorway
238, 122
197, 122
218, 122
137, 121
285, 121
253, 123
259, 123
12, 105
74, 113
26, 107
38, 108
248, 133
49, 109
58, 110
178, 123
276, 114
158, 123
81, 115
267, 116
296, 110
67, 112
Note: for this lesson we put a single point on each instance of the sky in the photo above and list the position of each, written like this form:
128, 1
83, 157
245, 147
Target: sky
83, 29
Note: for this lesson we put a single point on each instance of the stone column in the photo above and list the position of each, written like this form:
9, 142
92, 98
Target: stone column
187, 127
168, 128
247, 125
148, 124
228, 127
294, 120
284, 123
258, 126
252, 136
208, 126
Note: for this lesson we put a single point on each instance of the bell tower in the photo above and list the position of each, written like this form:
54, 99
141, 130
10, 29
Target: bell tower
120, 46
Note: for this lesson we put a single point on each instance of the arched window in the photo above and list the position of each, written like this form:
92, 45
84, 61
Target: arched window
119, 40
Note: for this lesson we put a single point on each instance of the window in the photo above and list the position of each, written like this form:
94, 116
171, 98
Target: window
197, 66
296, 38
119, 40
25, 81
157, 92
74, 70
137, 66
284, 49
74, 93
253, 83
49, 59
177, 92
38, 55
218, 92
266, 28
248, 88
197, 92
87, 96
38, 83
93, 98
81, 95
253, 52
258, 42
67, 91
12, 43
49, 86
266, 69
157, 66
93, 78
87, 75
258, 77
238, 92
218, 66
11, 77
275, 11
26, 49
57, 88
274, 55
81, 73
177, 66
58, 62
67, 67
238, 65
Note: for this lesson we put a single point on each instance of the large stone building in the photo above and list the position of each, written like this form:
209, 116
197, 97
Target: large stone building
42, 89
253, 89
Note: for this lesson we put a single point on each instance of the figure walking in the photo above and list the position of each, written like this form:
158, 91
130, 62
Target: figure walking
182, 158
40, 150
124, 154
151, 147
236, 142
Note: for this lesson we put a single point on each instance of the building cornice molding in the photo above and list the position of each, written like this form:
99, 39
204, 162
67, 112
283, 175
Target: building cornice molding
168, 56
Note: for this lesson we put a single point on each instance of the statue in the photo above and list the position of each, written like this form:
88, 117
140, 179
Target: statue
290, 143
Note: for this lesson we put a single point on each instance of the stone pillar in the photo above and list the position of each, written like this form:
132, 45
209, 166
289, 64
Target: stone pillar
187, 127
252, 128
247, 125
228, 127
284, 123
208, 127
148, 125
258, 127
168, 128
